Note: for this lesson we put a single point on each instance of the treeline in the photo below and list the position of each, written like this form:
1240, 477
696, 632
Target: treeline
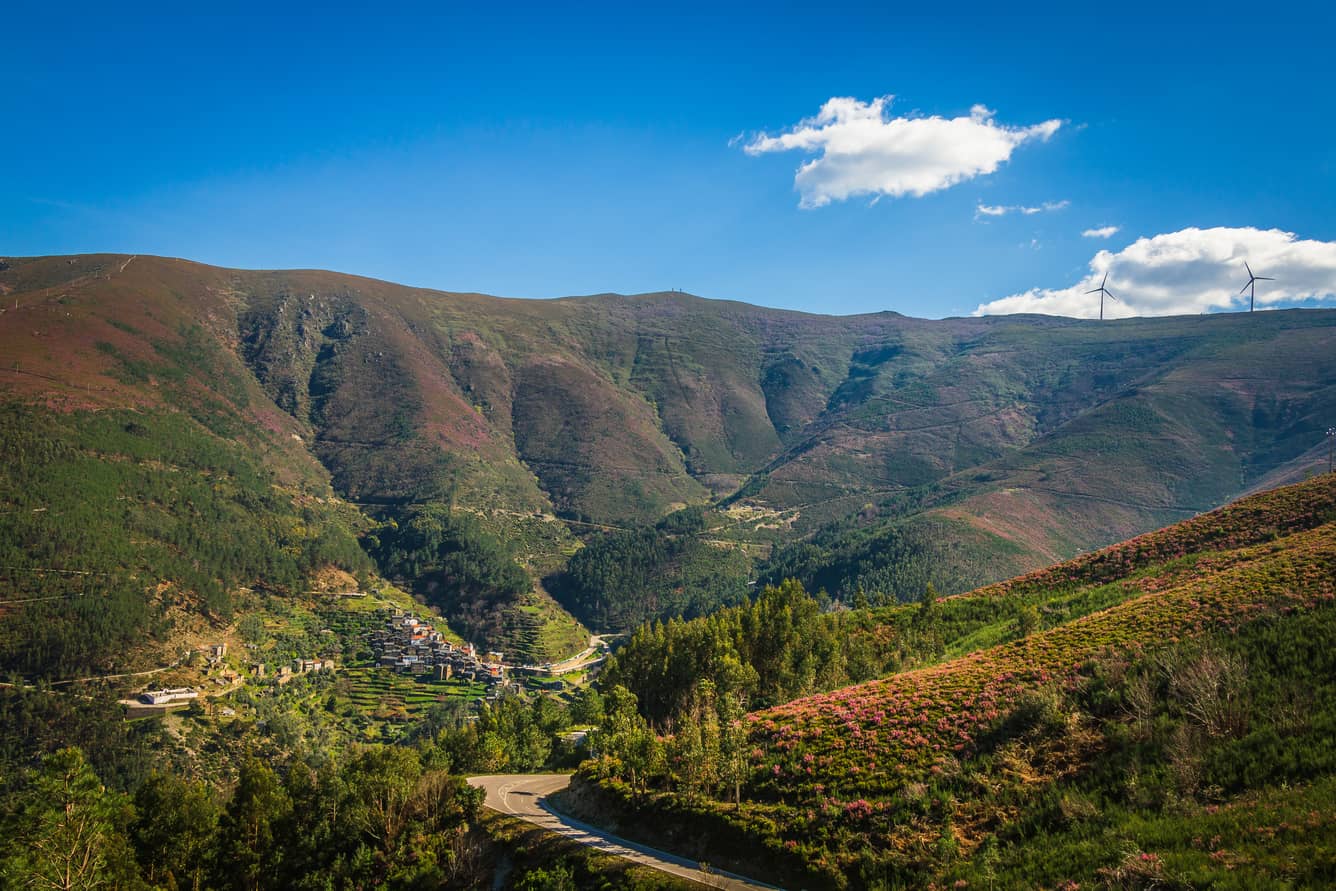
448, 559
787, 643
884, 564
778, 647
511, 735
706, 755
98, 509
377, 817
621, 580
37, 721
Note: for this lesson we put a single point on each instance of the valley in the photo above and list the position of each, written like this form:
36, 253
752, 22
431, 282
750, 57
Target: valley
655, 447
799, 445
833, 602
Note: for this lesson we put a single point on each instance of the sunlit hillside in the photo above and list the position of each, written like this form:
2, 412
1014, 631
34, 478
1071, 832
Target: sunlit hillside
1155, 714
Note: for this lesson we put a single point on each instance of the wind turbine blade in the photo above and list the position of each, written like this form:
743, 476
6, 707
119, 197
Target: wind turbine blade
1249, 268
1105, 281
1263, 278
1094, 290
1245, 287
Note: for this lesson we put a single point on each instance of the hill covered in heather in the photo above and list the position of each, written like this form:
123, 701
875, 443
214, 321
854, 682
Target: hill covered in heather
1156, 714
874, 453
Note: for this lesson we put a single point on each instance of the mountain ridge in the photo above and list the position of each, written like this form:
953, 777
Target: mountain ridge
1016, 440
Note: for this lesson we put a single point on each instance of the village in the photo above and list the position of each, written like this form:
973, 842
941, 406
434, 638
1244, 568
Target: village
408, 645
397, 641
228, 678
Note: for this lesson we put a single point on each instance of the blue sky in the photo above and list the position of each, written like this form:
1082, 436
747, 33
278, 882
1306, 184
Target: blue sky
530, 151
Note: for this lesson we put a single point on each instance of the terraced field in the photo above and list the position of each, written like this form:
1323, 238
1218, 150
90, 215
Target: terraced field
394, 697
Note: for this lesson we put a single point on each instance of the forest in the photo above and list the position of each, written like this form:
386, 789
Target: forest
99, 503
449, 560
879, 564
381, 816
779, 646
623, 579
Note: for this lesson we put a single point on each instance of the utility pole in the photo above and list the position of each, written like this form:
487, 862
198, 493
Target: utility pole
1331, 444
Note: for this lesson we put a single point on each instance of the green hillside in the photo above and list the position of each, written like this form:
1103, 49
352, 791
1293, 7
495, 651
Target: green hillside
1157, 714
868, 454
621, 580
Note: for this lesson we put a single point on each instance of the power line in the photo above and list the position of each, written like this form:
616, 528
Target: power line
54, 569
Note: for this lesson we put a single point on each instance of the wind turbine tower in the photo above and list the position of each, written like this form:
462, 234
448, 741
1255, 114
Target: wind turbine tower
1251, 286
1102, 292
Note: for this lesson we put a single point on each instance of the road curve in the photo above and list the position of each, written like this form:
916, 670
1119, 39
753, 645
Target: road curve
521, 795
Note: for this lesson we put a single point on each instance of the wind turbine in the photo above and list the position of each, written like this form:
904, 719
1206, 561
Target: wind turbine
1251, 286
1102, 292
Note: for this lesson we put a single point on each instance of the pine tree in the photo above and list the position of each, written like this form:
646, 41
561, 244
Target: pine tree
66, 831
251, 830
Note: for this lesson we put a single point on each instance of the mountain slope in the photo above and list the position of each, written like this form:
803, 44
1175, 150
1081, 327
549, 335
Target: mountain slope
1159, 683
990, 446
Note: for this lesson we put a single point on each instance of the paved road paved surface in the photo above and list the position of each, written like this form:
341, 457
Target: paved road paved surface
522, 796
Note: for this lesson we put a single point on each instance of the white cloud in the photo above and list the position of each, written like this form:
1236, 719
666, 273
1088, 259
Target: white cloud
862, 151
1102, 232
1189, 271
998, 210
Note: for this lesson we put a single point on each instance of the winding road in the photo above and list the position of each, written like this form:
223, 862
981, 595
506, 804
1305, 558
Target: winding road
522, 796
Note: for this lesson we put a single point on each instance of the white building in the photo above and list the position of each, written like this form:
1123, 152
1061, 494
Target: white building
169, 695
